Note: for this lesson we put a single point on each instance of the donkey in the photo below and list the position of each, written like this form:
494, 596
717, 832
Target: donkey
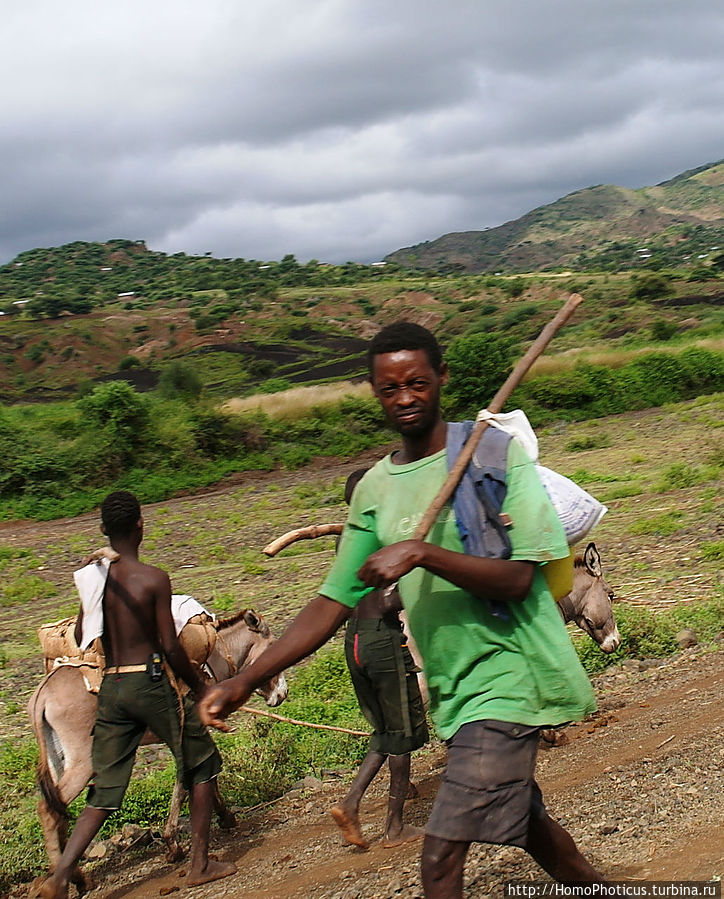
589, 605
63, 711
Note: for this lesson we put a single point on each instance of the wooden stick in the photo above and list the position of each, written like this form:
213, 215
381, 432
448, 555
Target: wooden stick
495, 405
306, 533
342, 730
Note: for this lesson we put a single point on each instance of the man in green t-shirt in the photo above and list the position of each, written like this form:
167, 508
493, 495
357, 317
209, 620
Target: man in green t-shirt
497, 658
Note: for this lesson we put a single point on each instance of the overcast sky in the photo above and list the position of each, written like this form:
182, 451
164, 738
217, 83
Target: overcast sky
339, 129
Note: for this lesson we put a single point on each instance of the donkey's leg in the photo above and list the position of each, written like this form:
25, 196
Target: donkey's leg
170, 834
227, 819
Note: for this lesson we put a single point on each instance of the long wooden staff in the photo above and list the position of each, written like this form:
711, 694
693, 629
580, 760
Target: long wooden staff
495, 405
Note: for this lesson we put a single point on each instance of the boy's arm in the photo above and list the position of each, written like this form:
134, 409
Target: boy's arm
170, 644
78, 629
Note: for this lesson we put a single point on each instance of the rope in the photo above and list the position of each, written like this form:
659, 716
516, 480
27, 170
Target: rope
342, 730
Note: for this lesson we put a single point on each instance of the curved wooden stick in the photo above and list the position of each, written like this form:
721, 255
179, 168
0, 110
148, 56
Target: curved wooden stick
495, 405
306, 533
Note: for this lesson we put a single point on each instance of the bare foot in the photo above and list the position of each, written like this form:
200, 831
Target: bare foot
349, 825
406, 835
213, 871
52, 889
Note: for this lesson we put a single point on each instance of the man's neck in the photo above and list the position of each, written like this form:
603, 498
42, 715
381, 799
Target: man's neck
416, 448
126, 548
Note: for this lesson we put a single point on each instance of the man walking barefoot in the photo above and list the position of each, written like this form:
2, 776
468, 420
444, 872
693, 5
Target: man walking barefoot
136, 694
385, 682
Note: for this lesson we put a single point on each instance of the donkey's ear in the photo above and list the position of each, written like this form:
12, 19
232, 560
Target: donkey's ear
253, 621
592, 560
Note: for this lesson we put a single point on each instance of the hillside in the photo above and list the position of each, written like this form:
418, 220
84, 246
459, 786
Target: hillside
603, 226
243, 324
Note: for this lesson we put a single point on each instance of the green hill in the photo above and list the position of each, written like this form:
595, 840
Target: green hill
602, 227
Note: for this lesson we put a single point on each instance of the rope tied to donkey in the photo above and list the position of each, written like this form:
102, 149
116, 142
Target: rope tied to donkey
342, 730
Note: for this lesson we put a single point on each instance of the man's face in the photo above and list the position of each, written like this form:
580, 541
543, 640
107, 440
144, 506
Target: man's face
408, 389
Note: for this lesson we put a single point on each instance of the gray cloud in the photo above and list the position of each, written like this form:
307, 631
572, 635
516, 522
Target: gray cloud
340, 129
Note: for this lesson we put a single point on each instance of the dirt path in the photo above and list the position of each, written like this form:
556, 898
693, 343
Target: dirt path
640, 786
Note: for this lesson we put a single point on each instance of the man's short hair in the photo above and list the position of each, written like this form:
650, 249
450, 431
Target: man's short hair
404, 336
120, 512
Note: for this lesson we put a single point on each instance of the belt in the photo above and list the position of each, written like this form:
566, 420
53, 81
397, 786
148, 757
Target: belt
125, 669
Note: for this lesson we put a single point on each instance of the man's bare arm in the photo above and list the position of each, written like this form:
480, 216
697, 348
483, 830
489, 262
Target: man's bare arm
488, 578
312, 627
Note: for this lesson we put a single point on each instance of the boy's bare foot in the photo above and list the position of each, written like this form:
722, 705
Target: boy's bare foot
348, 823
51, 888
406, 835
213, 871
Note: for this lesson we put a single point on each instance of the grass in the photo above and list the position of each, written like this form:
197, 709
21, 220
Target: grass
297, 402
211, 545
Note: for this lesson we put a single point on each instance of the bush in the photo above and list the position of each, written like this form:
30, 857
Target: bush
116, 411
179, 379
478, 364
649, 286
662, 329
129, 362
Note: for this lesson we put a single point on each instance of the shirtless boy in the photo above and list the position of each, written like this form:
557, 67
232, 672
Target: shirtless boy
137, 624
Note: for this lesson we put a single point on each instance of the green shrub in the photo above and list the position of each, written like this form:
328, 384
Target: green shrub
650, 286
478, 364
179, 379
662, 329
117, 409
129, 362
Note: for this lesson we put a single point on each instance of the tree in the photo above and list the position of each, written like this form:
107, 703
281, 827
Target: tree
179, 379
478, 365
116, 409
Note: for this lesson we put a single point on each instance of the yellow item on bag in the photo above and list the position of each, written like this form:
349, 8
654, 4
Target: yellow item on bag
559, 576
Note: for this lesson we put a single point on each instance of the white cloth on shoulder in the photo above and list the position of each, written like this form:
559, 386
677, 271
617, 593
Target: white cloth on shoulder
578, 511
90, 582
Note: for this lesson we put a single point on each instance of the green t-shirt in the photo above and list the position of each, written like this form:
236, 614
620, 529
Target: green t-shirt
477, 665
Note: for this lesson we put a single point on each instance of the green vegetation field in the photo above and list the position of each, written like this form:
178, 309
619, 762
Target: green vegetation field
230, 397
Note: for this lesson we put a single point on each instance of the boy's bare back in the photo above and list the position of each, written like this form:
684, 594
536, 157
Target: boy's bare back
136, 612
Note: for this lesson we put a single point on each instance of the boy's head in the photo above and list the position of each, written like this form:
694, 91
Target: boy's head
120, 514
404, 336
352, 482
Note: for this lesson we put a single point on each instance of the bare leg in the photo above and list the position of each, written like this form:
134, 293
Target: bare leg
395, 831
443, 862
87, 826
346, 812
203, 869
554, 850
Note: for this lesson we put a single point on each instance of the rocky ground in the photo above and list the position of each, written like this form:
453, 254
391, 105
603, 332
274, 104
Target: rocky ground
640, 786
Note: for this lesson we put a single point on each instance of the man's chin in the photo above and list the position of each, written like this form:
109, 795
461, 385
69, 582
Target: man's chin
413, 428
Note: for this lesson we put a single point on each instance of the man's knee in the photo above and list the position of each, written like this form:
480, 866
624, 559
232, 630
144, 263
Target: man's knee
440, 857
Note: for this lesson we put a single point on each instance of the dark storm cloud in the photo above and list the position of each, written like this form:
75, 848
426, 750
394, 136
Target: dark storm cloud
341, 129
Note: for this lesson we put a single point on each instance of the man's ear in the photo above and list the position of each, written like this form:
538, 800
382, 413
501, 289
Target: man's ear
103, 529
443, 372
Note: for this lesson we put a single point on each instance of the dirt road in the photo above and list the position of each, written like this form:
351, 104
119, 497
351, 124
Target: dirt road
640, 786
